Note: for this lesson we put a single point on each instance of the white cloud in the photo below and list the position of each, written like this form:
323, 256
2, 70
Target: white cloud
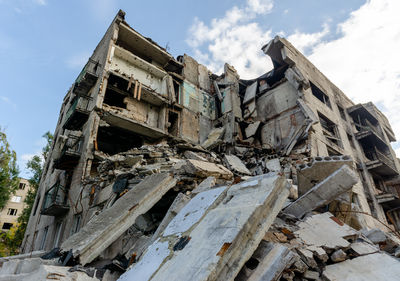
227, 37
304, 41
41, 2
363, 62
78, 61
7, 101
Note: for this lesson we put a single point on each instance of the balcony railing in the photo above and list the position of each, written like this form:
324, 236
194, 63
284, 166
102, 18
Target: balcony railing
87, 78
375, 154
70, 153
77, 113
55, 201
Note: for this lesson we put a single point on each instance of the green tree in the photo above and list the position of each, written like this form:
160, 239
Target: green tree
35, 166
8, 170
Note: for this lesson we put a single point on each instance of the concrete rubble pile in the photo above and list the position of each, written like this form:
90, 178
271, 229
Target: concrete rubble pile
181, 212
163, 170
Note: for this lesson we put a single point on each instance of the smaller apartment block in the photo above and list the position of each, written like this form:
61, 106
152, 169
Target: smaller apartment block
132, 93
13, 209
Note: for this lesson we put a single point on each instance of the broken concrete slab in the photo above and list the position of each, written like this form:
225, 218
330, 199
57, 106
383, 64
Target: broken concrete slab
324, 192
318, 169
375, 235
252, 128
101, 231
205, 185
235, 164
214, 138
308, 257
193, 155
250, 93
205, 169
326, 231
363, 248
214, 244
272, 259
374, 267
338, 256
180, 201
33, 269
273, 165
311, 275
318, 252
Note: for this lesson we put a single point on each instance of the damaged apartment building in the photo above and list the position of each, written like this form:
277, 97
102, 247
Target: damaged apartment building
141, 133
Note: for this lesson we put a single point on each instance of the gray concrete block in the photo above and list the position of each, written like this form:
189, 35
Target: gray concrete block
324, 192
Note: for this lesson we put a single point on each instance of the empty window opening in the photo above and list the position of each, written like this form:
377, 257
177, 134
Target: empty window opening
76, 224
351, 141
342, 113
173, 123
44, 237
113, 140
330, 130
7, 225
57, 234
320, 95
12, 212
114, 98
176, 90
22, 186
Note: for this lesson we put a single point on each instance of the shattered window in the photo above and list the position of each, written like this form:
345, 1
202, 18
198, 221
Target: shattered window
342, 114
320, 95
77, 223
330, 130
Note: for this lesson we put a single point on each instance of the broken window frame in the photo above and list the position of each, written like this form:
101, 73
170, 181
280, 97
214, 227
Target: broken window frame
330, 130
320, 95
76, 224
342, 113
44, 237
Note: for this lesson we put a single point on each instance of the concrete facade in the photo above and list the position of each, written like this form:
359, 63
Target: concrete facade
13, 209
132, 93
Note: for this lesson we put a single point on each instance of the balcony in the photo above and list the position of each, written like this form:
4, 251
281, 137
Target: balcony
78, 113
369, 136
55, 201
87, 78
380, 164
70, 154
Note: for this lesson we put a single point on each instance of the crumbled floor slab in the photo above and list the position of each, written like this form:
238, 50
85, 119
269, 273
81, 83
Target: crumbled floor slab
214, 138
374, 267
235, 164
210, 234
318, 169
363, 248
34, 269
273, 165
205, 185
104, 229
252, 129
324, 192
325, 230
204, 169
270, 259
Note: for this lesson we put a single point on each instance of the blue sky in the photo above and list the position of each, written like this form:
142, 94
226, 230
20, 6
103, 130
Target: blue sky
45, 43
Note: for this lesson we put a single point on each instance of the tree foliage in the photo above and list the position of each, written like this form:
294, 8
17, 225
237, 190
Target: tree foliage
8, 170
35, 166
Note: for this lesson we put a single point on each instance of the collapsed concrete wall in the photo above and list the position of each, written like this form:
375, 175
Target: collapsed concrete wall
137, 118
